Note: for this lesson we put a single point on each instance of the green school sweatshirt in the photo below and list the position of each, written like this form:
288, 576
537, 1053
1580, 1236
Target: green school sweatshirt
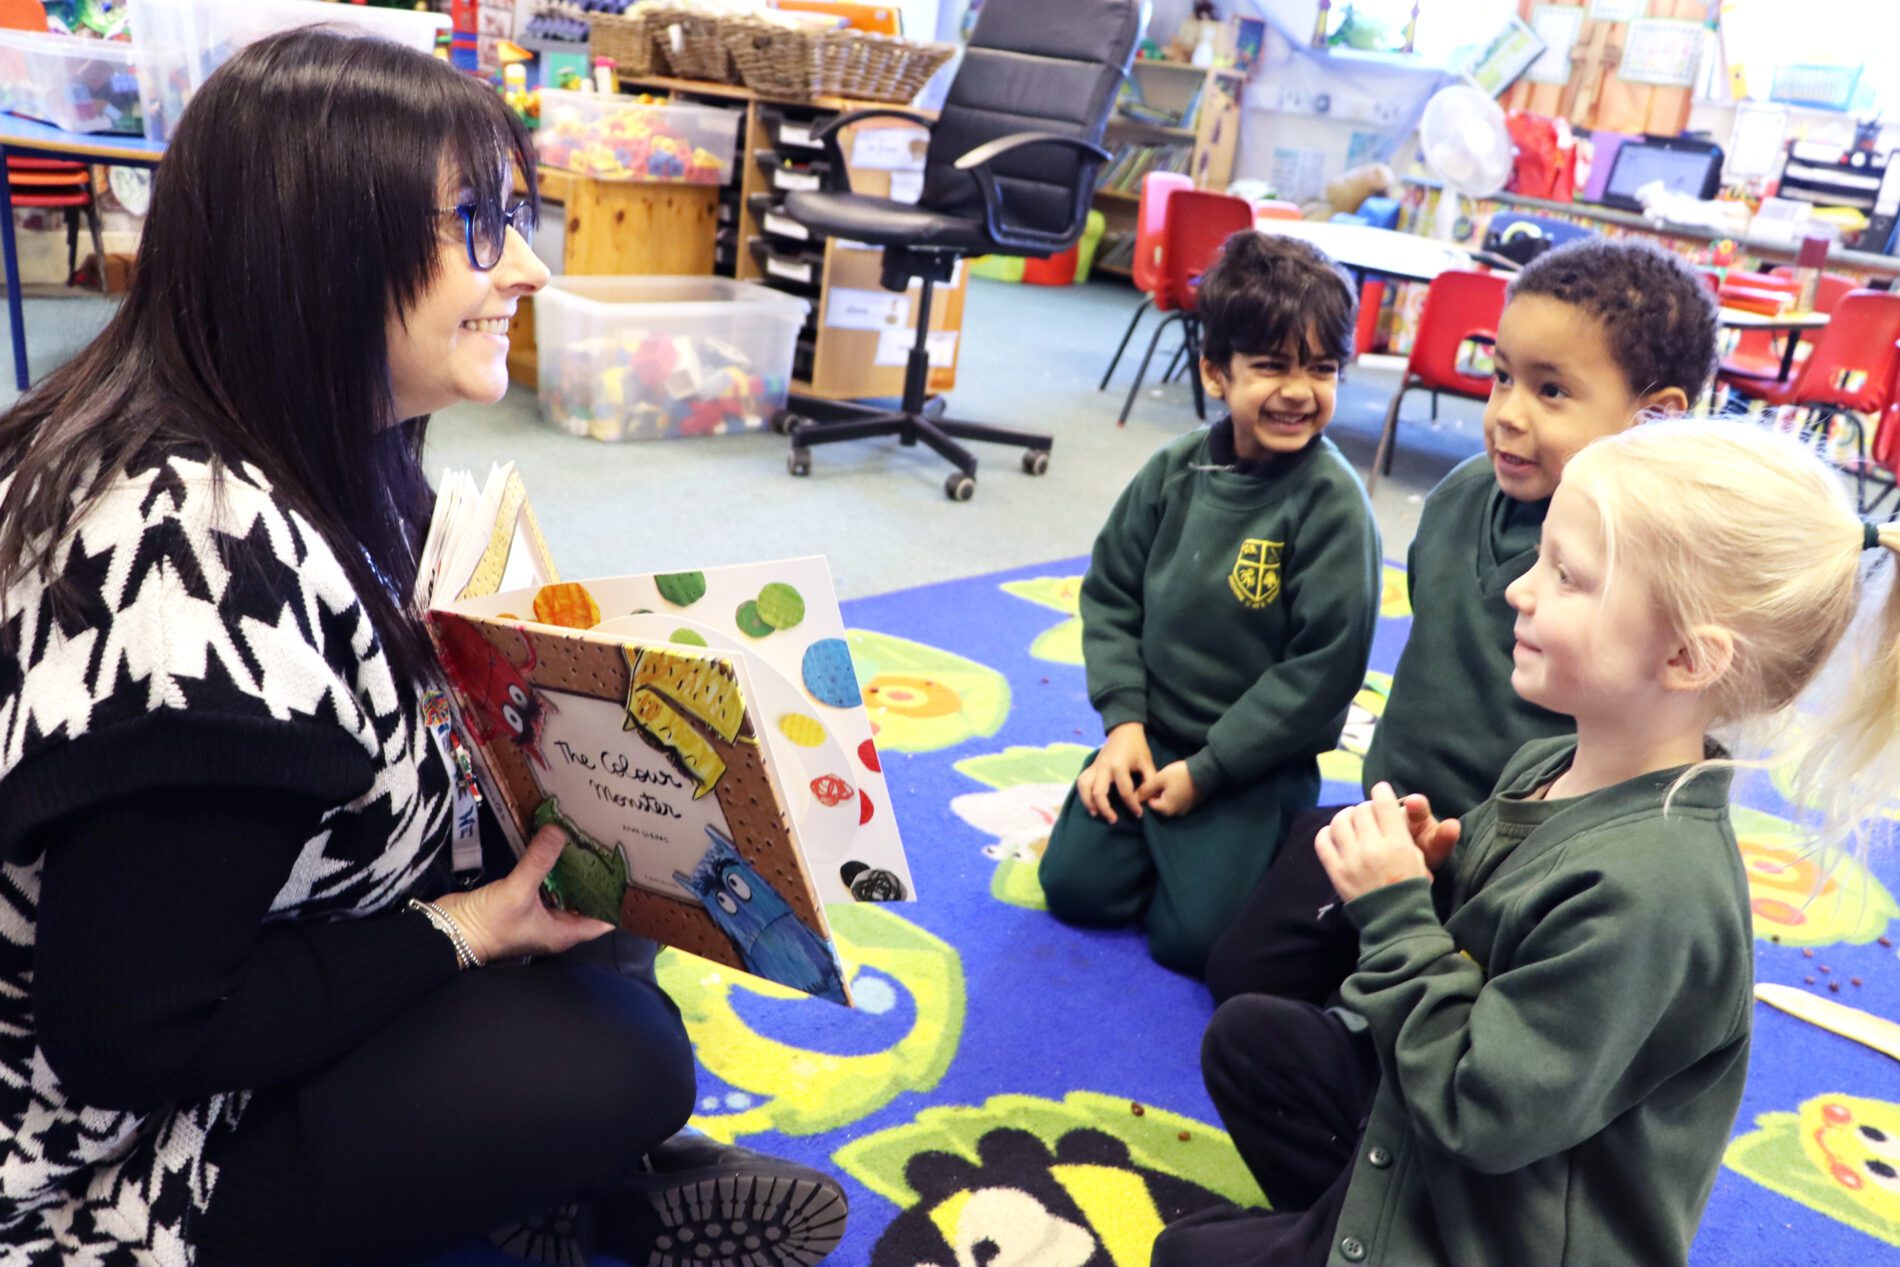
1562, 1024
1452, 720
1232, 610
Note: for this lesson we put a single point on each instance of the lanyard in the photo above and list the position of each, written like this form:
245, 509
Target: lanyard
466, 841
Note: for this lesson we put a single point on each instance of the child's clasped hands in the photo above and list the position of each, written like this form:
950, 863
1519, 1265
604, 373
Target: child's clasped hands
1383, 841
1126, 768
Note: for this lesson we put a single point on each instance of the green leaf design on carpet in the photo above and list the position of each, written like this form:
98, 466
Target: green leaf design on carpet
802, 1092
1803, 894
1346, 763
1061, 643
1029, 785
921, 699
1076, 1173
1821, 1158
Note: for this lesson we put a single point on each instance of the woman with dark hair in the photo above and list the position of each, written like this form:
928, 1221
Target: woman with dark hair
245, 1014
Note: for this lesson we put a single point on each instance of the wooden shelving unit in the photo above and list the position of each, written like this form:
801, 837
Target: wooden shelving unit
1213, 132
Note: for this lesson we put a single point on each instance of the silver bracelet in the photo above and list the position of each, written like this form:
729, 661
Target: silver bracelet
465, 956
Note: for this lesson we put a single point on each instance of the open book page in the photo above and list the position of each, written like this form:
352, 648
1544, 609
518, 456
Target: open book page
481, 541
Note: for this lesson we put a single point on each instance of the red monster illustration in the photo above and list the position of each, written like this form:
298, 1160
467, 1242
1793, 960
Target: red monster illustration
502, 698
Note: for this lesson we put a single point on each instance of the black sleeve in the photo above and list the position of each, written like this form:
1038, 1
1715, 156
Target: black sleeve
156, 976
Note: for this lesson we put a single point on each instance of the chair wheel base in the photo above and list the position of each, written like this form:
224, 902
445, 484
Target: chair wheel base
959, 487
1036, 462
798, 461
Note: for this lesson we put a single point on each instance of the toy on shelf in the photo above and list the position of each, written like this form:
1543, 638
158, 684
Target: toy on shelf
648, 385
635, 138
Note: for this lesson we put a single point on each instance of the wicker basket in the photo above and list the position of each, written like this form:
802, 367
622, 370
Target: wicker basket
629, 39
869, 67
779, 61
693, 42
773, 60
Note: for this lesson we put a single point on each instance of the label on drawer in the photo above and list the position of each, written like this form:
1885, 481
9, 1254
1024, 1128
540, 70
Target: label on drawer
785, 226
893, 347
796, 134
847, 308
791, 272
889, 149
785, 178
907, 186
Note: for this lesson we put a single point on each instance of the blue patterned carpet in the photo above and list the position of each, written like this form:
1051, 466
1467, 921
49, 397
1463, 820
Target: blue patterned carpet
1011, 1080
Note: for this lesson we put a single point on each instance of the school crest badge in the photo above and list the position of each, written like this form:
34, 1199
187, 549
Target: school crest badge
1255, 579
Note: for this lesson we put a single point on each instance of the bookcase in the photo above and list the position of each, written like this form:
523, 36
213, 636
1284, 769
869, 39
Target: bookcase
1174, 117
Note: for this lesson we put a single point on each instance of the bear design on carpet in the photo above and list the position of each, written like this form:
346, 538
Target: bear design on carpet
1025, 1206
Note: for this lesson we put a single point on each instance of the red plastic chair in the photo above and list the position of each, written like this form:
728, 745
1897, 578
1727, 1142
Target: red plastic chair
1198, 224
1460, 307
54, 183
1882, 469
1852, 370
1151, 220
1852, 364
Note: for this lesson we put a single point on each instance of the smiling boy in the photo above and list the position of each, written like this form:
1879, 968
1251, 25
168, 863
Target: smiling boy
1227, 617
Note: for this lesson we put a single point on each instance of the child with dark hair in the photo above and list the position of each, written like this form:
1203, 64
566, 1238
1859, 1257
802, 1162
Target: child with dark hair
1227, 617
1593, 335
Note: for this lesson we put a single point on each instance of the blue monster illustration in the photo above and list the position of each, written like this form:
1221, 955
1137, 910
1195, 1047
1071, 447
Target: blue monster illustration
769, 939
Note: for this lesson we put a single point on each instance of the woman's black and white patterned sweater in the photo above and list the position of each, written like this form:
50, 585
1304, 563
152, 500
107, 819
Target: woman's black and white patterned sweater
215, 798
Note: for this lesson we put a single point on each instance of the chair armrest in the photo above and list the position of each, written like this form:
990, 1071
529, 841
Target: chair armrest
839, 181
1021, 237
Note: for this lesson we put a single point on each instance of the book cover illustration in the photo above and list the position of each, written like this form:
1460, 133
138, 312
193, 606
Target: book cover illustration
649, 757
782, 622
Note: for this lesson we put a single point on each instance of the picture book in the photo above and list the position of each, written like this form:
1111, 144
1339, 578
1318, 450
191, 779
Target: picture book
699, 736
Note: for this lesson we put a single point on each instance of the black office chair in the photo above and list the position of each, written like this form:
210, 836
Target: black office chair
1010, 171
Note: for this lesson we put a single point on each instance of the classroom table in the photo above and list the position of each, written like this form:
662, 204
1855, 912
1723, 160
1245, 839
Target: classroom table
40, 140
1367, 251
1793, 324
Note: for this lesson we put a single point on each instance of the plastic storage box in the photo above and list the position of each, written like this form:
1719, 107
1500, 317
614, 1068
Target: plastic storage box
618, 138
185, 40
82, 85
646, 358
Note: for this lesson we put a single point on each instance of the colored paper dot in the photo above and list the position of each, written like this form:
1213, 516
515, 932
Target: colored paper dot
687, 638
682, 589
802, 729
864, 808
867, 754
780, 606
750, 623
828, 674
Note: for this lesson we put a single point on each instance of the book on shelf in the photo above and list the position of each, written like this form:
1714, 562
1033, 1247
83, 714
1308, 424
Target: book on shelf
699, 736
1129, 162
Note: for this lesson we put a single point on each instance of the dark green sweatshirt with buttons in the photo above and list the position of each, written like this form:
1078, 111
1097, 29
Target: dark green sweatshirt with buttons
1452, 720
1230, 607
1562, 1023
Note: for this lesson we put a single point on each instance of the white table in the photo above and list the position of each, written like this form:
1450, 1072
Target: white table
1793, 323
1375, 252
